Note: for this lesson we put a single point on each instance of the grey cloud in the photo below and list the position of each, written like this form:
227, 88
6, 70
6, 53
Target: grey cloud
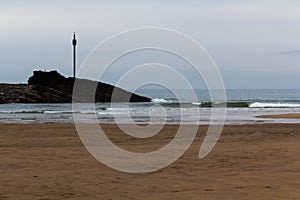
290, 53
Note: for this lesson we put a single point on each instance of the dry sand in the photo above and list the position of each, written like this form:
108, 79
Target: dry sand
249, 162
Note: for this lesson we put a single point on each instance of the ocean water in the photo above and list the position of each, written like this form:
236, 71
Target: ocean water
242, 107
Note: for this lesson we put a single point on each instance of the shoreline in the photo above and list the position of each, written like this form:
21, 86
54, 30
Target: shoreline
253, 161
104, 113
206, 123
281, 116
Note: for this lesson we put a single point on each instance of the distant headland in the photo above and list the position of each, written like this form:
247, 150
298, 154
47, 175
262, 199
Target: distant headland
52, 87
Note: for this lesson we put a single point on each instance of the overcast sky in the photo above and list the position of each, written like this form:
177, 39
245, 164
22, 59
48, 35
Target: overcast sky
254, 43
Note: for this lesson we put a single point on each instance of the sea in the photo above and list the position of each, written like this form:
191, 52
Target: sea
243, 105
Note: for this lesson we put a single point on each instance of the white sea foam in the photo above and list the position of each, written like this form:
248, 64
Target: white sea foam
57, 112
20, 112
157, 100
111, 113
8, 112
117, 109
196, 103
274, 105
69, 112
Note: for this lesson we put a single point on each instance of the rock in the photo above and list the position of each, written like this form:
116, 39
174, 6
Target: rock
57, 87
52, 87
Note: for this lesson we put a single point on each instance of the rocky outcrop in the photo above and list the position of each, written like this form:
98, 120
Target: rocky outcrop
16, 93
52, 87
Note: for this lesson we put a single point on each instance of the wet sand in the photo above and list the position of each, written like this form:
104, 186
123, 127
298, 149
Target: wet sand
260, 161
282, 116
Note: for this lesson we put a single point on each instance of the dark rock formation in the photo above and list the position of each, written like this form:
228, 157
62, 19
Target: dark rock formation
18, 93
52, 87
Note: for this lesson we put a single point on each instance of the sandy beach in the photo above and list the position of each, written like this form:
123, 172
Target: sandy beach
177, 66
249, 162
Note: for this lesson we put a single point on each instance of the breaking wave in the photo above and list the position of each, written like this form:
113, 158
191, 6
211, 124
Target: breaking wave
156, 100
230, 104
274, 105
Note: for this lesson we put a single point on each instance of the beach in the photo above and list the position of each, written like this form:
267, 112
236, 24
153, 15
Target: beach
216, 81
250, 161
